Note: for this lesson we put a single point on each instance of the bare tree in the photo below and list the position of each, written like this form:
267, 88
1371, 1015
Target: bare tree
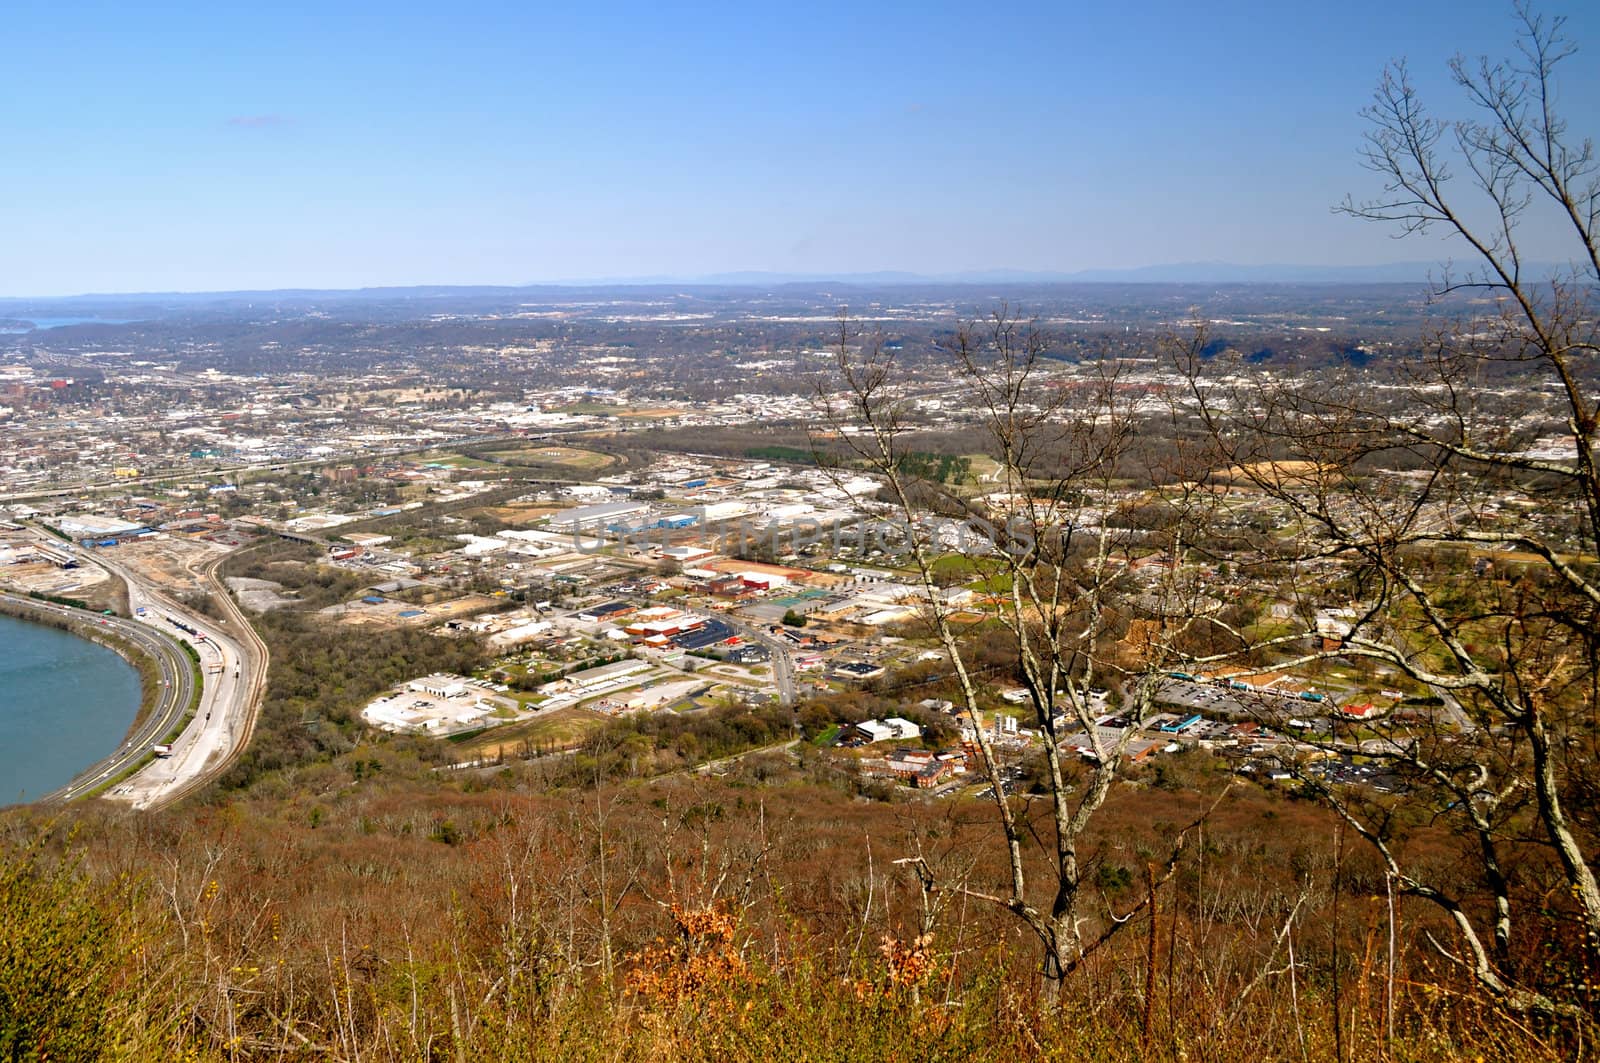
1042, 531
1455, 505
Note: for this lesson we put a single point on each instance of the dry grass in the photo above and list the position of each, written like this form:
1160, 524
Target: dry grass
569, 457
1277, 474
350, 916
557, 730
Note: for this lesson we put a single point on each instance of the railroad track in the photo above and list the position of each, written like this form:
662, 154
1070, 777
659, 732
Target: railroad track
241, 708
254, 669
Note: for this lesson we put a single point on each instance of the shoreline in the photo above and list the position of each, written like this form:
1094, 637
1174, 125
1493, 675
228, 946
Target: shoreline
142, 664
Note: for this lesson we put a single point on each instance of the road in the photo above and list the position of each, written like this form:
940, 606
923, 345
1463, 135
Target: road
176, 686
710, 767
782, 663
1453, 709
233, 662
233, 666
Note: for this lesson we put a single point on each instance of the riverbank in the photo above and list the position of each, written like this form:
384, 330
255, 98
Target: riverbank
143, 664
69, 704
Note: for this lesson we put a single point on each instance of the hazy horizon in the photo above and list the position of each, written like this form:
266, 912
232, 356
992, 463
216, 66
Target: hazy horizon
1177, 274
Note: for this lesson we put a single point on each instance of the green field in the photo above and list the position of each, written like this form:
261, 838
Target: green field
455, 461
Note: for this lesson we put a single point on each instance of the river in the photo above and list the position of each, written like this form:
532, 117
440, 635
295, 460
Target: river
39, 324
65, 702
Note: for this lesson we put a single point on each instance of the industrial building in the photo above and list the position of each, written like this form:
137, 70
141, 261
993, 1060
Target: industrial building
600, 515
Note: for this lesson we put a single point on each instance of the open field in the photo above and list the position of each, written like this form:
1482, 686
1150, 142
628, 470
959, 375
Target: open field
522, 513
167, 562
645, 412
624, 412
390, 612
1278, 473
455, 461
37, 577
758, 676
560, 729
984, 469
568, 457
392, 396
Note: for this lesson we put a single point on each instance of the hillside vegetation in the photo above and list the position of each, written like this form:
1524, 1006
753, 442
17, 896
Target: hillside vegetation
361, 907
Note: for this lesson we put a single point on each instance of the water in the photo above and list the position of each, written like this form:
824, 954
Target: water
42, 323
64, 703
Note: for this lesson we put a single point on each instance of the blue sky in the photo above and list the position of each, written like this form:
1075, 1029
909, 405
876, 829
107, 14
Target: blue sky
171, 146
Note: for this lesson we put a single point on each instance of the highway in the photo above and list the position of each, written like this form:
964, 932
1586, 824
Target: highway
176, 691
233, 666
233, 662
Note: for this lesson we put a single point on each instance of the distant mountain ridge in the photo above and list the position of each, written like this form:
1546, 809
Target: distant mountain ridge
1411, 273
1171, 273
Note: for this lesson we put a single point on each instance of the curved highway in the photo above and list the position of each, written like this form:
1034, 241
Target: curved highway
249, 685
176, 691
234, 661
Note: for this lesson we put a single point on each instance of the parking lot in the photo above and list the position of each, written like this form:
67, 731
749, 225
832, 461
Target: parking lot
1225, 701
